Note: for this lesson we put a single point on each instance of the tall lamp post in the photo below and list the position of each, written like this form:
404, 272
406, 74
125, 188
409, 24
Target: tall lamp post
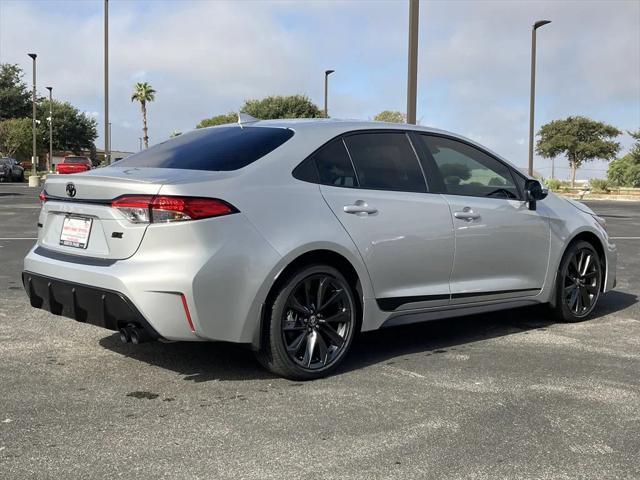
33, 179
326, 90
50, 159
536, 26
107, 142
412, 72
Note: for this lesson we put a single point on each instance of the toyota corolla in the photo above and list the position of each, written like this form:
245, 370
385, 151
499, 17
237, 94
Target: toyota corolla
293, 236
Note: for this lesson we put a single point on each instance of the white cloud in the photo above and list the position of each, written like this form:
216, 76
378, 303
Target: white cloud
205, 58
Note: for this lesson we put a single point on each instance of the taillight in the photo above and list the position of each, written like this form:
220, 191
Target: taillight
42, 197
166, 208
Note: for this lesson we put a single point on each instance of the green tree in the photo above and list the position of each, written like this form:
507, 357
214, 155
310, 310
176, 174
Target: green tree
72, 129
230, 117
144, 93
625, 172
391, 116
291, 106
15, 100
580, 139
16, 138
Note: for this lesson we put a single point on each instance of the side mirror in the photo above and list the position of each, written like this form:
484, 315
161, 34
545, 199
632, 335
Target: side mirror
534, 191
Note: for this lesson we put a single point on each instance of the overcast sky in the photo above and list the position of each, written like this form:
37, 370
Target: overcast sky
206, 57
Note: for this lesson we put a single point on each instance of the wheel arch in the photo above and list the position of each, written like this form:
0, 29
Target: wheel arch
310, 257
595, 241
592, 239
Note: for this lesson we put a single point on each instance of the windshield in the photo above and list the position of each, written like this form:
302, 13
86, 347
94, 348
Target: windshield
76, 160
219, 148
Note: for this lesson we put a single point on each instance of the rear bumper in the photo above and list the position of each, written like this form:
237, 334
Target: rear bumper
103, 308
197, 281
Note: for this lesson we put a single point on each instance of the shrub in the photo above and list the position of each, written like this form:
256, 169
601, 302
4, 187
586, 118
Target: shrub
554, 184
600, 185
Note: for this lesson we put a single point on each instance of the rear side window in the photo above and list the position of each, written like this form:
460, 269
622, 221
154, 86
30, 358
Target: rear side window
385, 161
223, 148
334, 165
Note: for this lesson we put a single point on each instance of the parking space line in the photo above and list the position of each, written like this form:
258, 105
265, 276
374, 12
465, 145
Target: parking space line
18, 238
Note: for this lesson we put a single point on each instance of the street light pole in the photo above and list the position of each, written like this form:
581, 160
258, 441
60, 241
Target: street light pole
34, 171
50, 159
326, 90
412, 74
536, 26
107, 144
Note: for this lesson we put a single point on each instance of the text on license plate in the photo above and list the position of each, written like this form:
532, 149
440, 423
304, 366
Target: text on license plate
75, 232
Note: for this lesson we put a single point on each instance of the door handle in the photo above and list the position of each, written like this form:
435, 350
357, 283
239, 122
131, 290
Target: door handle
360, 208
466, 214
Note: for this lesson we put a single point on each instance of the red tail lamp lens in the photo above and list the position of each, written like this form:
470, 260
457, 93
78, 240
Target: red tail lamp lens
166, 208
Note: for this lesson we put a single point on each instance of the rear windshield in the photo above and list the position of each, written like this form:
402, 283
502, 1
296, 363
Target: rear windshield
76, 160
220, 148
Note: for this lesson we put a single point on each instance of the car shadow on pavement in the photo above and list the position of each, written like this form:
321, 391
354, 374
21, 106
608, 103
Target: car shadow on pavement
442, 336
202, 362
196, 361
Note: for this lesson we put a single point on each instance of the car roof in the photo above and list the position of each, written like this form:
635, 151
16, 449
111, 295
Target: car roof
334, 126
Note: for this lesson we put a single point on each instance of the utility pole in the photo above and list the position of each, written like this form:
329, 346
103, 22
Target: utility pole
50, 159
107, 144
536, 26
326, 90
34, 181
412, 74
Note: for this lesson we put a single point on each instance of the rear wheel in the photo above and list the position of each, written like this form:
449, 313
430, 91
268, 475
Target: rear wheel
578, 284
311, 324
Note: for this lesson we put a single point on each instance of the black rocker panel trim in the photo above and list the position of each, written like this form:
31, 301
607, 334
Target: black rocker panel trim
390, 304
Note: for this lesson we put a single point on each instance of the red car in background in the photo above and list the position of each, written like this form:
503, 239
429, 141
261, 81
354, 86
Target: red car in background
72, 164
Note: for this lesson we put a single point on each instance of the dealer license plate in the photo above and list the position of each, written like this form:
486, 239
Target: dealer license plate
75, 232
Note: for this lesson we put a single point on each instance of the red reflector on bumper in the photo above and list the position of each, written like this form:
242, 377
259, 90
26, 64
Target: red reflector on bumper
186, 312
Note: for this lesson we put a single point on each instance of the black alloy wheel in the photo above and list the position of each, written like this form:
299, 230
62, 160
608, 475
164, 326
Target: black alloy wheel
313, 322
579, 282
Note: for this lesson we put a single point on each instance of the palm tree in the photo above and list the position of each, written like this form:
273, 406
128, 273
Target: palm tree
143, 93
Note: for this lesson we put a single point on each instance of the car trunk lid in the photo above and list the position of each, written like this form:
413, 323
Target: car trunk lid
86, 197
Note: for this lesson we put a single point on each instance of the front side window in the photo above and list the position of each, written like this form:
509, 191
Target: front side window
385, 161
466, 170
220, 148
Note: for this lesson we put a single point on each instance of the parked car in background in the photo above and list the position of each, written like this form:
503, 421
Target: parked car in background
73, 164
10, 170
293, 235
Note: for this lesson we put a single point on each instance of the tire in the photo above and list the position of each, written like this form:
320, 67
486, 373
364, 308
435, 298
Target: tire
21, 177
578, 283
304, 339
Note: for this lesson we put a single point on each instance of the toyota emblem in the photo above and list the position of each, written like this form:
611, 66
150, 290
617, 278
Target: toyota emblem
71, 189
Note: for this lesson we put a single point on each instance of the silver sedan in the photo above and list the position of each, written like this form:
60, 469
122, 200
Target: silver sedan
292, 236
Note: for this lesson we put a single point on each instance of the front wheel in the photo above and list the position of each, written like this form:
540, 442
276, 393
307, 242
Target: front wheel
311, 324
578, 283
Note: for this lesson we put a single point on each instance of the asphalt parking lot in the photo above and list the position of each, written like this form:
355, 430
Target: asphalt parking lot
508, 395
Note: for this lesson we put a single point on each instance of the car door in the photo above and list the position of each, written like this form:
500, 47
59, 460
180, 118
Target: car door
501, 246
374, 184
